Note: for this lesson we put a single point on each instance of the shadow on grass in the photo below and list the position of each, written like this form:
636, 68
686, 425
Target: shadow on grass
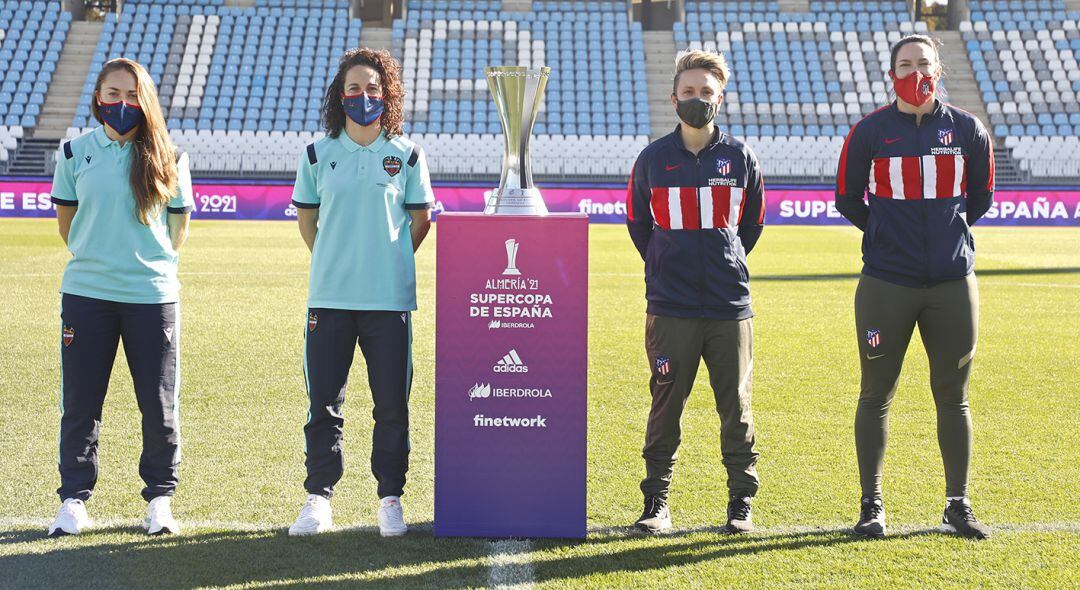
991, 272
684, 548
21, 536
357, 558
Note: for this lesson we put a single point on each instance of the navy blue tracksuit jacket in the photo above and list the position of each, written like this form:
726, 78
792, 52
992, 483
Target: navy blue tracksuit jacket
694, 219
927, 186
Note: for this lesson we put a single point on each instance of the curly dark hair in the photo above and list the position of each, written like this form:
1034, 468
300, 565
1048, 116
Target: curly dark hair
333, 114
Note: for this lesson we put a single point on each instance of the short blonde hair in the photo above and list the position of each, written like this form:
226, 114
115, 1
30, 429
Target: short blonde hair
693, 60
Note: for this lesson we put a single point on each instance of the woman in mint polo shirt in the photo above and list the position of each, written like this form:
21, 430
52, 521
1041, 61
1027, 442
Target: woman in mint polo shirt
123, 201
362, 196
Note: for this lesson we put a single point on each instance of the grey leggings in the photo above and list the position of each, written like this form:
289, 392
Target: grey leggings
885, 316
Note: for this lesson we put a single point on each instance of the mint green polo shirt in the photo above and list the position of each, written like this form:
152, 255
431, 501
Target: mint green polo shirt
113, 255
363, 254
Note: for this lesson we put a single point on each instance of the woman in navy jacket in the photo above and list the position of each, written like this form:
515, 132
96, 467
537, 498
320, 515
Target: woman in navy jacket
914, 176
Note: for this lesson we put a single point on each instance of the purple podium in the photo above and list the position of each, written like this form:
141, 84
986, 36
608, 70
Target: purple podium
511, 360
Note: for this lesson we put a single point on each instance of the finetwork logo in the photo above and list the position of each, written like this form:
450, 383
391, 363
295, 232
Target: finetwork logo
510, 363
480, 420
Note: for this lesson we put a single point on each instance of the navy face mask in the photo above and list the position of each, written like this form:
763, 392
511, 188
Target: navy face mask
121, 116
363, 109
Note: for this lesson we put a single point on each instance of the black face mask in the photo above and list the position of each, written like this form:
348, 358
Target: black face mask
696, 112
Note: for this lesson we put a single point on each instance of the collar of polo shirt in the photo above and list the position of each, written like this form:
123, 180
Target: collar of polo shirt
104, 141
352, 146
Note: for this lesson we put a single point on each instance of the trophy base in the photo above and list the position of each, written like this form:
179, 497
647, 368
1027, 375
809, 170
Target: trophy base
516, 201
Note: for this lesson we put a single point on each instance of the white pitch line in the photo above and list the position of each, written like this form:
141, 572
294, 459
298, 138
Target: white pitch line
514, 547
510, 565
1011, 284
1008, 527
221, 525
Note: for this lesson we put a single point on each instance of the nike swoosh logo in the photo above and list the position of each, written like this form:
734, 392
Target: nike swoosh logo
670, 168
874, 357
893, 140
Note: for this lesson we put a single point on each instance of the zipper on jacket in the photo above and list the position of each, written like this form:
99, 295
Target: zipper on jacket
922, 201
700, 235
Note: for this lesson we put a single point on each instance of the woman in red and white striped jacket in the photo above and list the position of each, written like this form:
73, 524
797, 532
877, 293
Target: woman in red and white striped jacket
914, 176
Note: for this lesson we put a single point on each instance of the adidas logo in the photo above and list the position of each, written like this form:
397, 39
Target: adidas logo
511, 363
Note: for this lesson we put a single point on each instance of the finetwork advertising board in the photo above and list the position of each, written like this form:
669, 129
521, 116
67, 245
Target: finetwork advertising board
511, 375
785, 205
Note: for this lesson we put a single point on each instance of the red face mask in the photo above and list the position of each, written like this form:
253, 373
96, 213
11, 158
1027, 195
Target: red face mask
915, 88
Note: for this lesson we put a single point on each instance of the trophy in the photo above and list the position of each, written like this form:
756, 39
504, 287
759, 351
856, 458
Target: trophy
511, 257
518, 92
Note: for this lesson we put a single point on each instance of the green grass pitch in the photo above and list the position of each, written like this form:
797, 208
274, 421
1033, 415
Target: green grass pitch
243, 406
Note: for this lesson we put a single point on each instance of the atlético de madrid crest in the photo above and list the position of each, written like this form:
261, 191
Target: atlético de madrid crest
392, 165
873, 338
944, 136
69, 335
723, 166
312, 321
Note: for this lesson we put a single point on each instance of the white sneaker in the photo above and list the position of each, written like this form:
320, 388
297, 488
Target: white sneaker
71, 519
315, 517
159, 518
391, 522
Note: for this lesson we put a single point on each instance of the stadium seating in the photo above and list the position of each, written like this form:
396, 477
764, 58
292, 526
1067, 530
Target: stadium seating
32, 35
444, 47
9, 141
1024, 57
799, 79
228, 76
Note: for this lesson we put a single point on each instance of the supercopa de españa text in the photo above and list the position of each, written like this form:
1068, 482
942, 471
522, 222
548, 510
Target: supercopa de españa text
510, 305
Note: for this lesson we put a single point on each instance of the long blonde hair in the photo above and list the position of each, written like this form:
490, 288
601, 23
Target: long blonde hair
153, 167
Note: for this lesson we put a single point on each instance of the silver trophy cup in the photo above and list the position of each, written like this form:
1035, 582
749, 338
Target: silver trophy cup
518, 92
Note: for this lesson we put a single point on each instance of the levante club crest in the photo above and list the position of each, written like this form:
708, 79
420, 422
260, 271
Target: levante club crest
392, 165
312, 321
69, 335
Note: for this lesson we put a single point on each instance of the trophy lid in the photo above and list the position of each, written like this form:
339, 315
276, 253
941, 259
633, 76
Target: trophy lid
517, 72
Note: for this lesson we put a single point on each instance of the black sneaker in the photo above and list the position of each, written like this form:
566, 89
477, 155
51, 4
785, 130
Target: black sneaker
656, 518
739, 519
871, 518
959, 520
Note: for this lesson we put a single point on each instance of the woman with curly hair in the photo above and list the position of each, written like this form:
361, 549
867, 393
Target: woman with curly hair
362, 197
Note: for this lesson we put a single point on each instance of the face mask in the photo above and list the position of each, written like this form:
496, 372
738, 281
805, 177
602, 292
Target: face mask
363, 109
915, 88
121, 116
696, 112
